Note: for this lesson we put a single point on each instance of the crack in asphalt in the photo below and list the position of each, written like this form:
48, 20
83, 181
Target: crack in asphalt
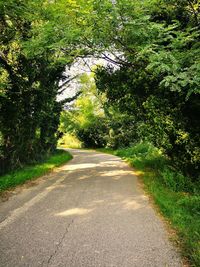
59, 243
65, 232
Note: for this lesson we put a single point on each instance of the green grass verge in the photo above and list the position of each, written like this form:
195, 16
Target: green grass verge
31, 172
182, 210
177, 198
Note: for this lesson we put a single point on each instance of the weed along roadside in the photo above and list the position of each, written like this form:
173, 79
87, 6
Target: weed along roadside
177, 199
32, 172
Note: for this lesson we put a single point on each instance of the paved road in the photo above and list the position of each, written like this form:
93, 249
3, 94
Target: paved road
89, 213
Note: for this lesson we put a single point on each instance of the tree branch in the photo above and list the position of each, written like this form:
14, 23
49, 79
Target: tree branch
70, 99
193, 11
68, 81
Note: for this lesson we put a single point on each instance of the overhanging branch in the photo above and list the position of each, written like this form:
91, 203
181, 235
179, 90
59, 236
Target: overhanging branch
70, 99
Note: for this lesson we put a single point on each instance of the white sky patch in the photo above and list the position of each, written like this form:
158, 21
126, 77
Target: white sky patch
85, 65
79, 67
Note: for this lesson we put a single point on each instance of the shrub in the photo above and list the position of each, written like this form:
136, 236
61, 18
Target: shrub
174, 180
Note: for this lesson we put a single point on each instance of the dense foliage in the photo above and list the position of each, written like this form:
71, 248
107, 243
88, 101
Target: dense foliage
151, 93
156, 85
31, 67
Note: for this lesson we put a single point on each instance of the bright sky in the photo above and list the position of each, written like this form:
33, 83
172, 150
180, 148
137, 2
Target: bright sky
79, 67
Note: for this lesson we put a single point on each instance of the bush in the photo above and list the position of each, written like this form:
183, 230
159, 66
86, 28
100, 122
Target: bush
174, 180
144, 155
191, 203
94, 134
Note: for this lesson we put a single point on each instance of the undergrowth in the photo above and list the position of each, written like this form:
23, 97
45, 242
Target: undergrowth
31, 172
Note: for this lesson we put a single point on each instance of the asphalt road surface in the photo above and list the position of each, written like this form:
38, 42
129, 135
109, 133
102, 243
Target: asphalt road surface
90, 212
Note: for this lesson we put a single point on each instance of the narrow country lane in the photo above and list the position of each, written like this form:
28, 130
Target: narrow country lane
90, 212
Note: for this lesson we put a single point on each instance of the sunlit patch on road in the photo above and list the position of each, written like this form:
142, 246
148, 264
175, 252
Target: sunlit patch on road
72, 167
75, 211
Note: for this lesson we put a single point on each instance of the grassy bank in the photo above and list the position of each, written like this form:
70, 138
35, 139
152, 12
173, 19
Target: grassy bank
176, 196
31, 172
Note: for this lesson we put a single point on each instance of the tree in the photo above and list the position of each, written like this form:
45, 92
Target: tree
30, 71
157, 81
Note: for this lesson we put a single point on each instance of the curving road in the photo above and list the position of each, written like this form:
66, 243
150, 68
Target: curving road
90, 212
